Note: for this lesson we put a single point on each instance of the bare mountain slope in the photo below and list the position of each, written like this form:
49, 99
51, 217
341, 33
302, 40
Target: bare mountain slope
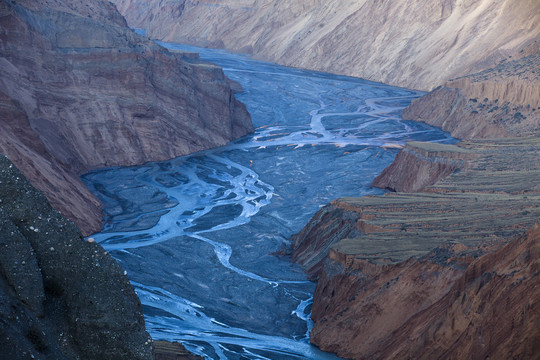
79, 90
415, 44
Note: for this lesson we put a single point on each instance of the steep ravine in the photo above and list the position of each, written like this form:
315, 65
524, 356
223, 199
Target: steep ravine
415, 45
432, 308
416, 273
79, 90
372, 298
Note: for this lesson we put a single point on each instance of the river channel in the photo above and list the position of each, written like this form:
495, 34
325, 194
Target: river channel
198, 235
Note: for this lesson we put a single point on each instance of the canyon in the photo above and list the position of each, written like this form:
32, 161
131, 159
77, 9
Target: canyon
417, 46
379, 278
396, 273
424, 271
80, 90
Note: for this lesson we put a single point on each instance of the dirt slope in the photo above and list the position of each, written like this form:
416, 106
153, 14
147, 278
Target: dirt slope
416, 44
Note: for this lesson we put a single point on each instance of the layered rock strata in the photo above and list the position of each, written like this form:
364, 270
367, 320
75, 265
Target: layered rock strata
379, 281
448, 304
421, 164
79, 90
501, 101
491, 197
413, 44
60, 297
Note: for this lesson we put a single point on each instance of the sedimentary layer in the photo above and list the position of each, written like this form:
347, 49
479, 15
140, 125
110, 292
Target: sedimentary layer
493, 196
381, 281
79, 90
451, 303
60, 297
414, 44
500, 101
421, 164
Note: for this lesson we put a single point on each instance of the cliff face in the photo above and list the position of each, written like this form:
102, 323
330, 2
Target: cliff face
383, 292
415, 45
432, 308
60, 297
500, 101
416, 167
79, 90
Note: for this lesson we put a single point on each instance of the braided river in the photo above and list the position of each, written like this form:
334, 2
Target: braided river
199, 235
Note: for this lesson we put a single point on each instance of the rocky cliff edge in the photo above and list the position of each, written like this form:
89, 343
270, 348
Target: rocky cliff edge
383, 290
501, 101
79, 90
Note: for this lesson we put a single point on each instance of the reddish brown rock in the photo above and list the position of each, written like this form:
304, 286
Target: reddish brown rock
433, 308
417, 166
383, 292
80, 91
65, 191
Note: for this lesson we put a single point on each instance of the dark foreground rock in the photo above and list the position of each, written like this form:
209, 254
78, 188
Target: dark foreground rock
60, 297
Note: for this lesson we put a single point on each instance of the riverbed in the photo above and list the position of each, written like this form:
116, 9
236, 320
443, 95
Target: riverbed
201, 236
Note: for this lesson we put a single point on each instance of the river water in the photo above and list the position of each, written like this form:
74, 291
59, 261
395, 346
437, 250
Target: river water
198, 234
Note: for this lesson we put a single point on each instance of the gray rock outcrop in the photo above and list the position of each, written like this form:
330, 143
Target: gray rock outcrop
60, 297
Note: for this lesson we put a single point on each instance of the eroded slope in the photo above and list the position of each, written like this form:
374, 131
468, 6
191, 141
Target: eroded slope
413, 44
79, 90
500, 101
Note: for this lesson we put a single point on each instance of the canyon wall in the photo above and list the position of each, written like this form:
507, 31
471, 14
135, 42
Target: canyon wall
79, 90
448, 304
417, 166
383, 291
500, 101
414, 44
60, 297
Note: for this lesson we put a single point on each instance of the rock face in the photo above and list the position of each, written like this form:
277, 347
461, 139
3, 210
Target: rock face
164, 350
60, 297
416, 45
416, 167
501, 101
79, 90
383, 292
432, 308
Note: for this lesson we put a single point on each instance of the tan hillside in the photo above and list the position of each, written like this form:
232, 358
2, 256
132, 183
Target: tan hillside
415, 44
503, 100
